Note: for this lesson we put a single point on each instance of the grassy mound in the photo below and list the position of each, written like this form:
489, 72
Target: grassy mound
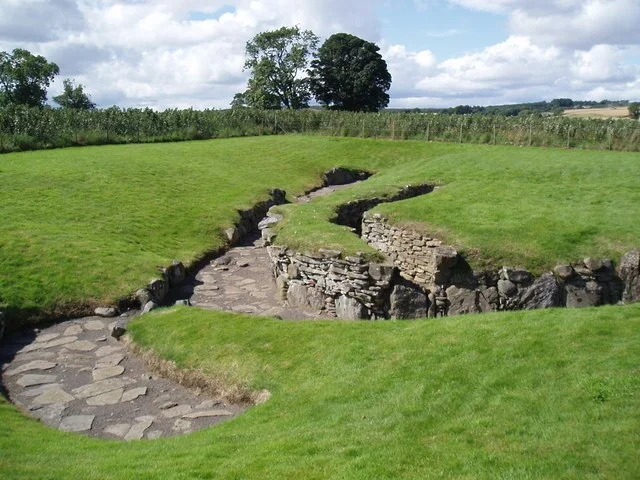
93, 224
546, 394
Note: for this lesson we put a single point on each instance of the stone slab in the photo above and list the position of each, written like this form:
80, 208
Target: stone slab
98, 388
137, 431
94, 325
177, 411
209, 413
119, 430
50, 414
108, 350
47, 337
32, 380
77, 423
34, 392
108, 398
133, 394
54, 395
27, 367
82, 346
110, 360
107, 372
73, 330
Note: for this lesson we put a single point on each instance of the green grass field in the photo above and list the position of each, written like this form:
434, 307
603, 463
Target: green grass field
93, 224
521, 395
549, 394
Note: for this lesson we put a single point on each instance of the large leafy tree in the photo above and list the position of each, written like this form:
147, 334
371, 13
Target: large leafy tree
24, 78
278, 60
348, 73
74, 97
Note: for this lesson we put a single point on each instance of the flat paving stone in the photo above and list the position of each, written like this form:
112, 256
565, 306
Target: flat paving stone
33, 365
77, 423
98, 388
46, 345
177, 411
107, 372
54, 395
73, 330
50, 414
94, 325
35, 355
119, 430
154, 434
108, 350
47, 337
82, 346
134, 393
108, 398
137, 430
209, 413
110, 360
31, 380
34, 392
183, 426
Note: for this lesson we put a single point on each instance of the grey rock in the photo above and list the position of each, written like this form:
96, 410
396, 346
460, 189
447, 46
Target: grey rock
149, 306
119, 329
119, 430
517, 275
55, 395
593, 264
134, 393
292, 271
267, 236
564, 272
34, 392
77, 423
106, 312
50, 414
177, 411
208, 413
507, 288
269, 221
108, 350
431, 312
158, 289
182, 426
110, 360
94, 325
580, 294
348, 308
464, 301
629, 273
381, 273
143, 296
167, 405
33, 380
103, 373
98, 388
47, 337
136, 432
82, 346
109, 398
543, 293
176, 273
27, 367
407, 300
72, 330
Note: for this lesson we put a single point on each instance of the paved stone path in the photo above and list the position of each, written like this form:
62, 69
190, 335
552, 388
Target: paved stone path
76, 377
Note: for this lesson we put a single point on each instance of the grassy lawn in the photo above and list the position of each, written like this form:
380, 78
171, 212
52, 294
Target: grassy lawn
547, 394
93, 224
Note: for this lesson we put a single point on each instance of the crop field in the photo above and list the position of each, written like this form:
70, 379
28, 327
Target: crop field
543, 394
613, 112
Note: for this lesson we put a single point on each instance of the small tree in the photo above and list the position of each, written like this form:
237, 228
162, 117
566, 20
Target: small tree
634, 110
278, 59
349, 74
24, 78
74, 97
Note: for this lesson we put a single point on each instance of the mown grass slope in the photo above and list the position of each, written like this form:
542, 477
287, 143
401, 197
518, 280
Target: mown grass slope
93, 224
521, 395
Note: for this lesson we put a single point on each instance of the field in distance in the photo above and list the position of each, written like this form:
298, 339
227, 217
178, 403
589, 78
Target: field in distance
611, 112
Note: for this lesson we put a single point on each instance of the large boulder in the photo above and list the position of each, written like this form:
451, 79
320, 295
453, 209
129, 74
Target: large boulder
543, 293
629, 273
579, 293
299, 295
348, 308
407, 300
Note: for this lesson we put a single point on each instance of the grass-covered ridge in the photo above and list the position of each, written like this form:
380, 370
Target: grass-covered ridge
546, 394
94, 223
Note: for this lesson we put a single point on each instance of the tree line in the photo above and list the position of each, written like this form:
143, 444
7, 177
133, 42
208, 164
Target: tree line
287, 70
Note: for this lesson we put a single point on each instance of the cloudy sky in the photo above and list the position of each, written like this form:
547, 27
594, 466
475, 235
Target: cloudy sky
182, 53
